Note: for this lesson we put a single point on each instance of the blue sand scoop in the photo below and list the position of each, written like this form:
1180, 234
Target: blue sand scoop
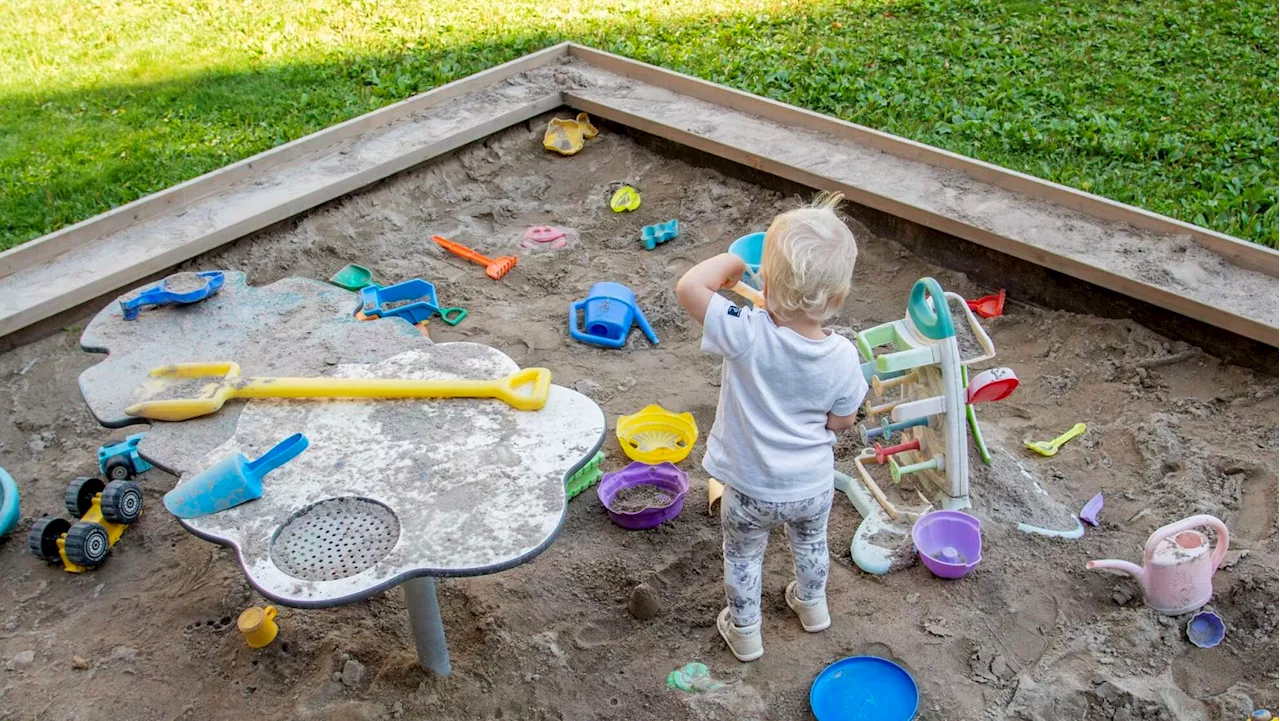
161, 295
418, 299
231, 481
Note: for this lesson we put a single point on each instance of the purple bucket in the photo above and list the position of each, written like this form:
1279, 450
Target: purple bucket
664, 475
949, 542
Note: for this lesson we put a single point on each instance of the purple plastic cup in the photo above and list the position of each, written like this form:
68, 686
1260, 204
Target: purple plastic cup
949, 542
664, 475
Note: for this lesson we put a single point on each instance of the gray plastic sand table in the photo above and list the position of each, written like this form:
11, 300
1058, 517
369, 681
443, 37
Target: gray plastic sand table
388, 492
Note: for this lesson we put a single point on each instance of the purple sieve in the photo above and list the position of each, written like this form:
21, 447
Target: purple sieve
664, 475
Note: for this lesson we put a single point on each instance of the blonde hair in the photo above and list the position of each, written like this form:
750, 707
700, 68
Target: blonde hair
808, 260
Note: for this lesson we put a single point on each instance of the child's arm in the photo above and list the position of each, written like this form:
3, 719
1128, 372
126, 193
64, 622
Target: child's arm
840, 423
696, 287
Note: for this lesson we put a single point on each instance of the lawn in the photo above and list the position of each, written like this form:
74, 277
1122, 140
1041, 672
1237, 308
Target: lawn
1170, 105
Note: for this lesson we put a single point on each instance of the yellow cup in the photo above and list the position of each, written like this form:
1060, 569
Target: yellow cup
258, 625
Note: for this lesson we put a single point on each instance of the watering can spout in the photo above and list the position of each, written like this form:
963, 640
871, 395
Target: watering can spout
1132, 569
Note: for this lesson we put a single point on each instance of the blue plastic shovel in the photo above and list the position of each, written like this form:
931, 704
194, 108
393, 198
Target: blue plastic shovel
231, 481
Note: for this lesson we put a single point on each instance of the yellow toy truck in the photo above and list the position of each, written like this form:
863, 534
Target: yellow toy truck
104, 510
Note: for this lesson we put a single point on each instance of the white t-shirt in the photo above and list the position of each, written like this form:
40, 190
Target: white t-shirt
770, 439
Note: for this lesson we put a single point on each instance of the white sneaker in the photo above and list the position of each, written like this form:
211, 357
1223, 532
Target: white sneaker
813, 614
745, 641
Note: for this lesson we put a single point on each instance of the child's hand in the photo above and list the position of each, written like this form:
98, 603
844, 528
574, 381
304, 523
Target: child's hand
696, 287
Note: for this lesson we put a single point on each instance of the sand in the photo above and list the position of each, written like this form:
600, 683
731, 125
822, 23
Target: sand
185, 282
1029, 635
639, 498
968, 344
392, 305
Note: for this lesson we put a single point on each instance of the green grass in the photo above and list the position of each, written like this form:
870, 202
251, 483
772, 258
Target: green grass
1170, 105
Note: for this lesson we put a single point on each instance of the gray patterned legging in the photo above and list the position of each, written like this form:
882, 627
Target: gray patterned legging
746, 523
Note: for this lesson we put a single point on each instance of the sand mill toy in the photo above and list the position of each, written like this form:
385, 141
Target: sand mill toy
916, 420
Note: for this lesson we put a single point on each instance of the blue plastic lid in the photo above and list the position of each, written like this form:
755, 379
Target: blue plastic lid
864, 688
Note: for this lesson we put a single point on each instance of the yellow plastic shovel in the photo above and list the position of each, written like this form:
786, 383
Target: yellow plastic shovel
524, 390
1049, 448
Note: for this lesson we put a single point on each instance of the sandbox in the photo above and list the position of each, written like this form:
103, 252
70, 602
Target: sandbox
1030, 634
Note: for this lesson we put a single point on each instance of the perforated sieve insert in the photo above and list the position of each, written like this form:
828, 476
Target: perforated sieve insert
335, 538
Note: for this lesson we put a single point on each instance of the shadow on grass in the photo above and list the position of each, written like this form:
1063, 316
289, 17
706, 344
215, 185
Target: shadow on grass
1146, 120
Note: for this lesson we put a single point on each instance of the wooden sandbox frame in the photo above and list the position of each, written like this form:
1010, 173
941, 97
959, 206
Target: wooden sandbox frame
46, 281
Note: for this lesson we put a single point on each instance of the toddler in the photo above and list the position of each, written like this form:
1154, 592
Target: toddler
787, 386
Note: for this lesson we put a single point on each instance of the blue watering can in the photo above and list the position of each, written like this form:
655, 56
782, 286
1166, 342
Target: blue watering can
608, 313
231, 481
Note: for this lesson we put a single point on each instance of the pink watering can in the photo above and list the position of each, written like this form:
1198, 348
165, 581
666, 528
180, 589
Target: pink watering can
1177, 576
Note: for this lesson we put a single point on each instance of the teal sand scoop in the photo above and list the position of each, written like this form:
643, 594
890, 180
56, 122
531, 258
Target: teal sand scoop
231, 481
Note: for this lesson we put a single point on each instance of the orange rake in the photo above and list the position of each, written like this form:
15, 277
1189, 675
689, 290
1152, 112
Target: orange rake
493, 267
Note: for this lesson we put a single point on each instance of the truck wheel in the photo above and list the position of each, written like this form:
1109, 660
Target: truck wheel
79, 495
42, 539
87, 544
122, 502
119, 468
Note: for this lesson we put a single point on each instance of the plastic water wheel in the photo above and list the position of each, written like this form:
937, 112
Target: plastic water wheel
80, 493
656, 435
122, 502
87, 544
43, 537
119, 468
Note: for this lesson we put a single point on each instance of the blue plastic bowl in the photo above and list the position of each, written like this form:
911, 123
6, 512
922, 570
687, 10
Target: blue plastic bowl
8, 502
864, 688
750, 248
1206, 629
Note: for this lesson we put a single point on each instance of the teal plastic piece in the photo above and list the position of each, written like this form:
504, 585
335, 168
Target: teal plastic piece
933, 322
751, 249
692, 677
586, 476
887, 429
126, 450
353, 277
231, 481
869, 371
8, 502
652, 235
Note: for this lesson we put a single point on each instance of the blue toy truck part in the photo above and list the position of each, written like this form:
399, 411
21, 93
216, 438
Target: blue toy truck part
161, 295
8, 502
120, 461
652, 235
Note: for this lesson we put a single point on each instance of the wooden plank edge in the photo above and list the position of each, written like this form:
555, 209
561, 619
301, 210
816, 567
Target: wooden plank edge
1156, 296
183, 194
1250, 256
145, 267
